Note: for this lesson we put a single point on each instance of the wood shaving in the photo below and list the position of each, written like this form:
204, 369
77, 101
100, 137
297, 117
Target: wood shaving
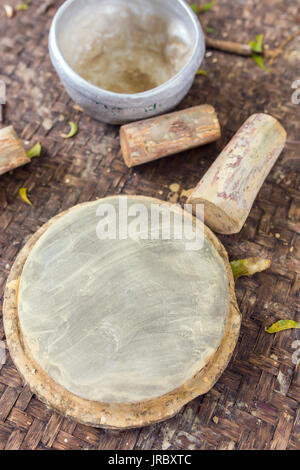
187, 193
9, 10
174, 187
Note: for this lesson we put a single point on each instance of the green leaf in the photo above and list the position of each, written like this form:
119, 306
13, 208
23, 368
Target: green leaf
206, 6
202, 8
22, 7
201, 72
211, 30
35, 151
257, 48
248, 267
257, 45
259, 61
73, 130
23, 194
195, 7
282, 325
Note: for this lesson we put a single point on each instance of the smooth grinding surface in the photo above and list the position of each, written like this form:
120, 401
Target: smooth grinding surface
120, 320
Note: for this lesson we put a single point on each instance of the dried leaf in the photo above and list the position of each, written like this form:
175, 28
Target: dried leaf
201, 72
257, 45
9, 10
198, 9
259, 61
35, 151
77, 107
248, 267
22, 7
187, 192
23, 194
282, 325
73, 130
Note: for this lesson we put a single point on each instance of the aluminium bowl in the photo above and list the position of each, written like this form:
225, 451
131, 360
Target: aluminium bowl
119, 108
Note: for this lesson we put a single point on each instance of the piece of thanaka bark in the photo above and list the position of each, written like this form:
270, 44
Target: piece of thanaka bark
12, 152
231, 184
154, 138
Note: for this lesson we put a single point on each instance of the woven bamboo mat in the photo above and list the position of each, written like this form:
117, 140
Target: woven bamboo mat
255, 404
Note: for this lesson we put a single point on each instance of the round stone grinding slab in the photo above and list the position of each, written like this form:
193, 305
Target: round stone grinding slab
125, 324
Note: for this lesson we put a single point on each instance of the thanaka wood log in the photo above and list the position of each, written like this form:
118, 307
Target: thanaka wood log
12, 152
230, 186
154, 138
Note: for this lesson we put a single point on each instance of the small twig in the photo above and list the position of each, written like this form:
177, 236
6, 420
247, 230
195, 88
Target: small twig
274, 54
246, 49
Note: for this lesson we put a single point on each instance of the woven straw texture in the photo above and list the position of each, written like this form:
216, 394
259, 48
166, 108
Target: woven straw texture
255, 404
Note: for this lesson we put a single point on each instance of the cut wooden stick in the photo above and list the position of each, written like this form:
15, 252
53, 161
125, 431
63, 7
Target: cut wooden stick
229, 46
12, 152
232, 183
246, 49
154, 138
